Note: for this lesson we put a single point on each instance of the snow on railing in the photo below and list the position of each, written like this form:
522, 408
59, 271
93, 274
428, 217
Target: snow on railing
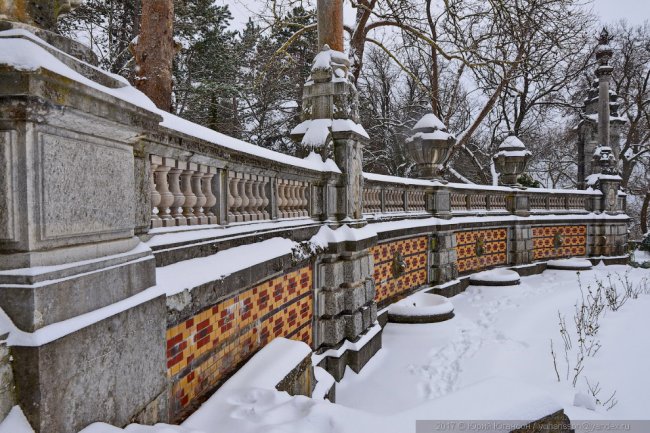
385, 195
186, 194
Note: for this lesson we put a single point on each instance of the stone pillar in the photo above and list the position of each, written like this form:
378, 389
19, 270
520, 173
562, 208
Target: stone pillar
345, 303
330, 113
604, 74
439, 203
521, 245
442, 257
68, 188
517, 203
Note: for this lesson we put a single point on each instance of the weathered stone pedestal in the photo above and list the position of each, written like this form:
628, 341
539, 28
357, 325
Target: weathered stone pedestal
67, 246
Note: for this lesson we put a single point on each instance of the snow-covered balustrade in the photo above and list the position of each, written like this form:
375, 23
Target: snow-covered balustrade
396, 195
181, 193
565, 201
293, 198
184, 193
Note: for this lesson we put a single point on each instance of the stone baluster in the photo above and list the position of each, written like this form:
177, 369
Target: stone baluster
175, 188
154, 195
201, 199
293, 200
298, 198
256, 200
288, 198
252, 199
210, 198
265, 198
286, 195
243, 198
248, 191
259, 185
282, 202
237, 191
232, 188
190, 196
166, 197
304, 199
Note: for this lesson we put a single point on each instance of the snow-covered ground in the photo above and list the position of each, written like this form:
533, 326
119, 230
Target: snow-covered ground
506, 332
492, 361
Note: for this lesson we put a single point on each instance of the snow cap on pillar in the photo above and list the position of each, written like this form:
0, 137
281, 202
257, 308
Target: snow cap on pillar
511, 160
329, 102
429, 146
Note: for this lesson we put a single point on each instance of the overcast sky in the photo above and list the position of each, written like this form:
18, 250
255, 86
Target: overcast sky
635, 11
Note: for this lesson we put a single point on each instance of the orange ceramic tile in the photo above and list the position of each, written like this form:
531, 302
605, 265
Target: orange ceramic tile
205, 348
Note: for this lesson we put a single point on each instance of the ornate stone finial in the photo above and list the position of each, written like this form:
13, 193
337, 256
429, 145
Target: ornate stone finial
604, 37
606, 160
42, 14
604, 52
429, 146
511, 160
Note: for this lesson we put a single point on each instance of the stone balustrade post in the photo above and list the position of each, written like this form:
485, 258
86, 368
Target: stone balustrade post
210, 197
439, 203
153, 192
231, 187
175, 189
272, 192
188, 192
220, 188
166, 197
197, 189
265, 189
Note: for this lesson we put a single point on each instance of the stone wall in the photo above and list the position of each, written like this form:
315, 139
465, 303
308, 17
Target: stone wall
550, 242
206, 348
7, 399
399, 266
481, 249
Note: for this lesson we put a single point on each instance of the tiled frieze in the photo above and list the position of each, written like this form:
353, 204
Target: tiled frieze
480, 249
559, 241
413, 254
206, 348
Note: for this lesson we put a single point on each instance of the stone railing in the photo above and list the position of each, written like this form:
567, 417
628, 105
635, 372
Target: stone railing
571, 201
184, 193
391, 195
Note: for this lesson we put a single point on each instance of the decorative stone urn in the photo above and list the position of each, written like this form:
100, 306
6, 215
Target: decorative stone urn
511, 160
429, 146
38, 13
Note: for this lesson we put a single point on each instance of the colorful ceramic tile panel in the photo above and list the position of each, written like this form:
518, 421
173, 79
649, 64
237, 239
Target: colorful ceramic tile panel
414, 251
551, 242
206, 348
480, 249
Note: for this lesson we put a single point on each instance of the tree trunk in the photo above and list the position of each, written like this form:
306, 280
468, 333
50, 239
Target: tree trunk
154, 52
644, 213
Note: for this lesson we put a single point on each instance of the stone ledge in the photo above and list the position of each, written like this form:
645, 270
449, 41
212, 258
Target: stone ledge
355, 359
171, 253
33, 306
